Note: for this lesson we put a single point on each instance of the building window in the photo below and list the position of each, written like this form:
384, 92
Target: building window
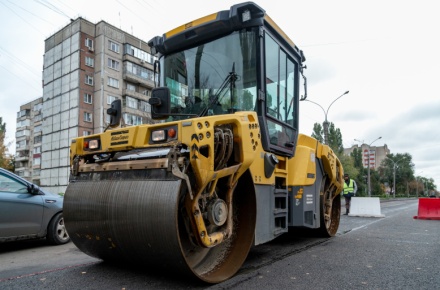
38, 139
145, 106
87, 117
38, 118
38, 107
140, 71
112, 82
37, 161
130, 119
22, 144
113, 64
113, 46
86, 133
87, 98
37, 150
37, 128
139, 53
22, 133
89, 43
131, 87
131, 102
89, 80
110, 99
90, 61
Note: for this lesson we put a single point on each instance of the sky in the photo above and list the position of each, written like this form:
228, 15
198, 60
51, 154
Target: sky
385, 53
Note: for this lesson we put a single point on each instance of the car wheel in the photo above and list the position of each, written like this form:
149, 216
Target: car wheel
56, 231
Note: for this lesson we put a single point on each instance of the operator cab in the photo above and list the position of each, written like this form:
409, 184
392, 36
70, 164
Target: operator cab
235, 60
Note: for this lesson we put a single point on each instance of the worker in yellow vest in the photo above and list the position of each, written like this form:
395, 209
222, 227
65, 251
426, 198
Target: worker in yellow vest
350, 189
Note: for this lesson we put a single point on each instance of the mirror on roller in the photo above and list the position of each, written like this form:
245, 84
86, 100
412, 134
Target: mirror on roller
115, 113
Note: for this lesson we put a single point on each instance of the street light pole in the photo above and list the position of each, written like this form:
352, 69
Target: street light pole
325, 124
417, 184
369, 182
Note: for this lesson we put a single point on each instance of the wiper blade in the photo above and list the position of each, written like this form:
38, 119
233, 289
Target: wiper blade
229, 80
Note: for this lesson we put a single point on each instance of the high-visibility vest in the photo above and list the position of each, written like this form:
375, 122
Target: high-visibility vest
349, 188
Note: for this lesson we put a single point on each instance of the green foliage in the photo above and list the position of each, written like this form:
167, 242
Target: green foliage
335, 139
6, 160
318, 132
400, 167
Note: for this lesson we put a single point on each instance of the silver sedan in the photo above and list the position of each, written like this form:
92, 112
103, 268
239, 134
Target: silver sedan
29, 212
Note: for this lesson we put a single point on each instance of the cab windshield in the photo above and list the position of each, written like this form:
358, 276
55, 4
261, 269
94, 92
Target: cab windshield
218, 77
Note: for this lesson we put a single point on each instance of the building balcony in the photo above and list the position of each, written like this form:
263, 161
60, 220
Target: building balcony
21, 148
23, 172
127, 76
134, 94
21, 158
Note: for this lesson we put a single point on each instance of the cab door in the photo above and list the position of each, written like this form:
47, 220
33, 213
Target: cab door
280, 86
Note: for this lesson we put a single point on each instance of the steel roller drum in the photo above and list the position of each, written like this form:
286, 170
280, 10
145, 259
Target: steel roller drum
139, 221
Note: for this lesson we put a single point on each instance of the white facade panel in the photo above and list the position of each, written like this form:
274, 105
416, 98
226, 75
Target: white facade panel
74, 45
47, 92
64, 139
57, 87
65, 86
57, 53
56, 140
47, 143
54, 177
64, 157
74, 98
56, 122
64, 120
74, 61
47, 127
74, 80
73, 120
55, 158
64, 176
57, 70
65, 102
45, 160
66, 47
48, 75
44, 177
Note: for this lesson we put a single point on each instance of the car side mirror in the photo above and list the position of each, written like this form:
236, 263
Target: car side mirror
33, 189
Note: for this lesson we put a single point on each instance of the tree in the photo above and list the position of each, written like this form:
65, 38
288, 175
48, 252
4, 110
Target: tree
334, 137
318, 132
5, 158
401, 165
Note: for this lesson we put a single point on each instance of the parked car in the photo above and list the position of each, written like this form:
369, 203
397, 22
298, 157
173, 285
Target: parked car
29, 212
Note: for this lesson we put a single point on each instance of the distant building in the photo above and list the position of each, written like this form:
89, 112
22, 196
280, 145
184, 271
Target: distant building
28, 141
373, 155
87, 66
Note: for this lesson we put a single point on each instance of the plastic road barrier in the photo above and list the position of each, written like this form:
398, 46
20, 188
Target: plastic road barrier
429, 209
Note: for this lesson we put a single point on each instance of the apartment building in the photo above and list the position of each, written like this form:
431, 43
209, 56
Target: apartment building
86, 67
372, 155
29, 140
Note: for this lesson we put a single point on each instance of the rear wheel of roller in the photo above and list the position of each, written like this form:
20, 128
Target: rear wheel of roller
330, 211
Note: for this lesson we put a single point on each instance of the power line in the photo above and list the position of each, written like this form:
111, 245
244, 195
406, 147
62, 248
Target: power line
52, 7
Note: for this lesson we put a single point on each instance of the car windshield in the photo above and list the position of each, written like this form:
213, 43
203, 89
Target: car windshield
214, 78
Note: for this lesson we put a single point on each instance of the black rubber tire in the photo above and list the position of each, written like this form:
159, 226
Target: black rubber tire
329, 228
56, 231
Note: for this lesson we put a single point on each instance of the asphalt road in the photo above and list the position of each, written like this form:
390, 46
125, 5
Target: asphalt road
394, 252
